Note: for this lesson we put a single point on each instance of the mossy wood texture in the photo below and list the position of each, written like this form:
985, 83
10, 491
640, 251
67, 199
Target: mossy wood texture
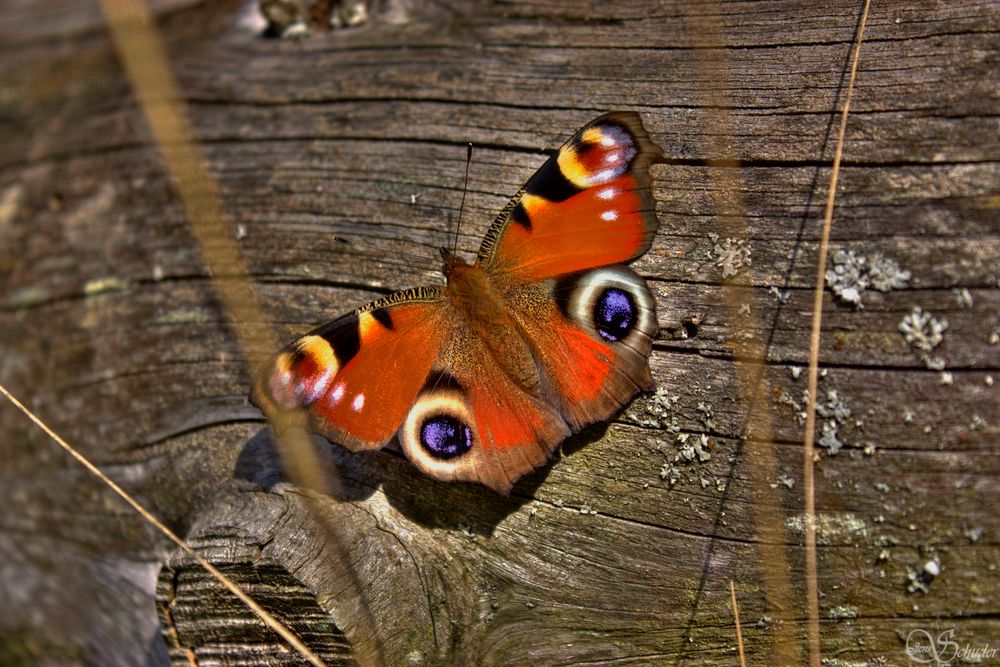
621, 551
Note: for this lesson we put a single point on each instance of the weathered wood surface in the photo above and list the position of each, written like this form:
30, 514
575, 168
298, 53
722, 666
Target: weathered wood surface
110, 330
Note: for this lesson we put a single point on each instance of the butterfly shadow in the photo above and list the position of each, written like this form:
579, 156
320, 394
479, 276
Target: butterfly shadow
259, 463
470, 508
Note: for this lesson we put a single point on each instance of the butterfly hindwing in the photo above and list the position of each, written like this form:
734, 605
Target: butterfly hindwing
589, 205
471, 422
592, 332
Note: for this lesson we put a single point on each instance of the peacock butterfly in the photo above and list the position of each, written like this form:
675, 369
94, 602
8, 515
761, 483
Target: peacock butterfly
546, 332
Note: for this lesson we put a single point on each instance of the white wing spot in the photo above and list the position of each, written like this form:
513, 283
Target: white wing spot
611, 158
607, 194
610, 216
284, 379
319, 386
337, 394
359, 402
607, 141
603, 176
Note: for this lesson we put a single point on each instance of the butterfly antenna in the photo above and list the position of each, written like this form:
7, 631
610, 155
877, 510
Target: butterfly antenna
465, 190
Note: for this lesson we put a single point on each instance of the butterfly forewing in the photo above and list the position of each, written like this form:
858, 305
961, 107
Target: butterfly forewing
357, 376
589, 205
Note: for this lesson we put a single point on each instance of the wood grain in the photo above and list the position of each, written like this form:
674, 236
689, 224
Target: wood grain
109, 328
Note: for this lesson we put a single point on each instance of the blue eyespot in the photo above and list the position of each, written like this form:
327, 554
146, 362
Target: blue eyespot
614, 314
445, 437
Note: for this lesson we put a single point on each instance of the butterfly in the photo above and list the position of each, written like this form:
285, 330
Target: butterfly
546, 332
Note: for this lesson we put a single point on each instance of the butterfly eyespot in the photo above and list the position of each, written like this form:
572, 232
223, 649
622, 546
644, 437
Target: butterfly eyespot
445, 437
614, 314
612, 302
439, 429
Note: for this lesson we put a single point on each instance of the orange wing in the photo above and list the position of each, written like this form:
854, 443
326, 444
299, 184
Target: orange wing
357, 377
471, 422
406, 364
592, 333
589, 205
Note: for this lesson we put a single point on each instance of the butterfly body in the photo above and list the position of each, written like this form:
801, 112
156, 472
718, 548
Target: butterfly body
546, 332
481, 307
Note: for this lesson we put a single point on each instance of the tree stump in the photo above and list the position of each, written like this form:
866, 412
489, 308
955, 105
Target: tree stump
623, 549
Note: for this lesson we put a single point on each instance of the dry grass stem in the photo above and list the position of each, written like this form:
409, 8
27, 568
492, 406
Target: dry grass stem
230, 585
808, 476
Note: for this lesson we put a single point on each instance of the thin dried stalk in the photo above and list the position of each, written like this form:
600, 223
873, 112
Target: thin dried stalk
808, 453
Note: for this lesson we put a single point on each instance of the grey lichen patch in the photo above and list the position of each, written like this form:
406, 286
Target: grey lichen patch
920, 579
659, 412
963, 297
10, 204
847, 276
29, 296
782, 397
828, 440
785, 480
105, 284
831, 528
834, 407
851, 274
706, 410
185, 316
692, 448
730, 254
834, 412
843, 612
287, 18
683, 451
974, 534
885, 274
840, 662
924, 332
349, 14
781, 296
292, 19
670, 473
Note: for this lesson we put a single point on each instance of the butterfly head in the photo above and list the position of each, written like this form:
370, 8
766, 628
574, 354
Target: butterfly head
452, 263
